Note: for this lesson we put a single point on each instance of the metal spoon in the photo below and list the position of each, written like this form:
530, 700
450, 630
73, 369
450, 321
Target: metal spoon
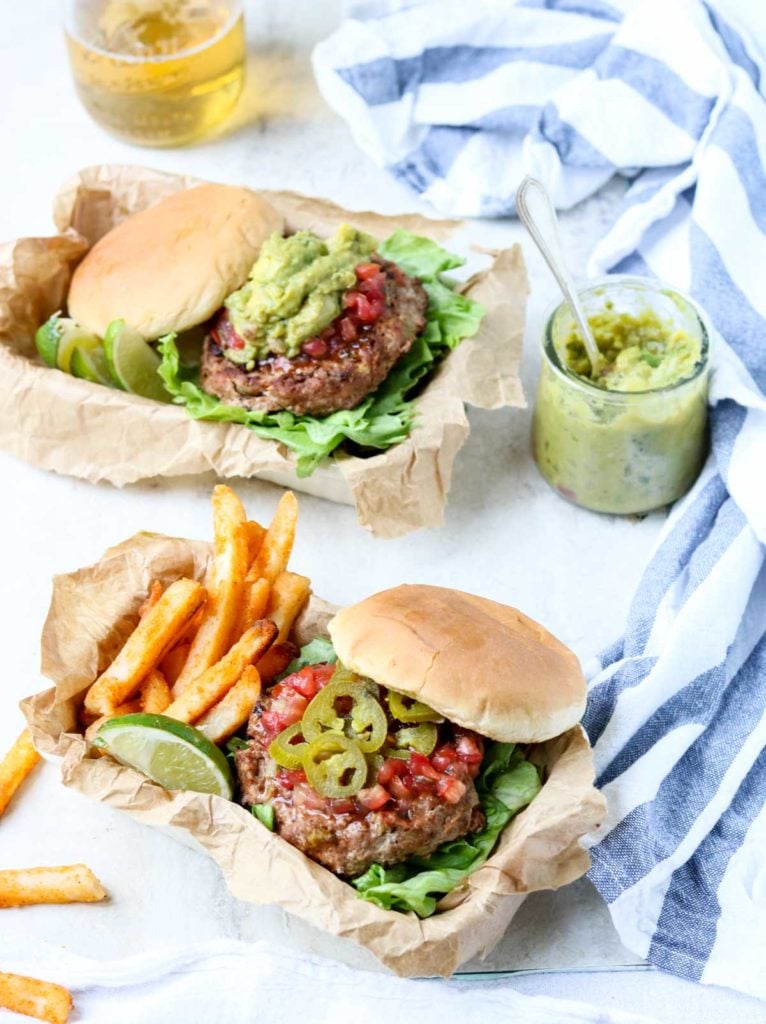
536, 213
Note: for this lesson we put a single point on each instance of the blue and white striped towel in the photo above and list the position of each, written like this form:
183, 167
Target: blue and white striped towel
458, 100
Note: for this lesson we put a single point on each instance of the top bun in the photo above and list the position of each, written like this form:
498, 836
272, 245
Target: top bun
170, 267
482, 665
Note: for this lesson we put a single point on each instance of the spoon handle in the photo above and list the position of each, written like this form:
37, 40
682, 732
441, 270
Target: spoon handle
535, 211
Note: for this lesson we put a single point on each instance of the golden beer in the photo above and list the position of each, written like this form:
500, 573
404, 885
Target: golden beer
157, 72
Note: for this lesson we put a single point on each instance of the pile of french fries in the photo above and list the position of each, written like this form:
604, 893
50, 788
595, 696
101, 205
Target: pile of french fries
200, 652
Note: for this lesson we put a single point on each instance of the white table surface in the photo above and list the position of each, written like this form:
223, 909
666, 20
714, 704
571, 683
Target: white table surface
506, 535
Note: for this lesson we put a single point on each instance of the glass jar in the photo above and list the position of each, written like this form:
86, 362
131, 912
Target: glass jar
624, 452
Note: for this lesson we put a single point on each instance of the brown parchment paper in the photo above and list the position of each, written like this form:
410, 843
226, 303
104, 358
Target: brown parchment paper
81, 429
92, 612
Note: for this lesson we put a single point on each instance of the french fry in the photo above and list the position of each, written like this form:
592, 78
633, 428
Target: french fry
72, 883
145, 647
255, 535
227, 580
15, 766
155, 593
277, 545
208, 688
155, 693
130, 707
276, 660
255, 600
231, 713
173, 663
288, 595
34, 998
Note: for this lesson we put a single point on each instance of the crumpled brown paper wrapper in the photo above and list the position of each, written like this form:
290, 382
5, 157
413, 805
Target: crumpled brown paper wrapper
71, 426
91, 614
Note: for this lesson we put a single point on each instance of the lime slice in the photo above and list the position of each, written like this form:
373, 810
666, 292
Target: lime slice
90, 366
47, 340
175, 755
132, 362
72, 336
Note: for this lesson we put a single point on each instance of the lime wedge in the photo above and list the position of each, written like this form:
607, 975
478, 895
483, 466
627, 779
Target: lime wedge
90, 366
175, 755
72, 336
47, 340
132, 362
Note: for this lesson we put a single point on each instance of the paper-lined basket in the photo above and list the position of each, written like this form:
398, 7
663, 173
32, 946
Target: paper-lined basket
93, 611
71, 426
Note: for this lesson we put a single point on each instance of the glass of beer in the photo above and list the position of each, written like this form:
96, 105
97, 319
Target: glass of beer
157, 72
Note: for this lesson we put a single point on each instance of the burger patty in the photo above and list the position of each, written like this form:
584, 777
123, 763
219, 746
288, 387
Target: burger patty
344, 840
339, 378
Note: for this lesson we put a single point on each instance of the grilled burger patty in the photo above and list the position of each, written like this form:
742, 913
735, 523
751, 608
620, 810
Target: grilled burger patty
334, 371
341, 834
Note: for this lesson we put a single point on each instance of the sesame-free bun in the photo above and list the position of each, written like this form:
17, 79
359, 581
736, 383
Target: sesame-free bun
170, 267
480, 664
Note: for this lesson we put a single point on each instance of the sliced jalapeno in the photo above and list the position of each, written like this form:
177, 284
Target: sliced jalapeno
407, 709
335, 766
347, 708
286, 753
421, 738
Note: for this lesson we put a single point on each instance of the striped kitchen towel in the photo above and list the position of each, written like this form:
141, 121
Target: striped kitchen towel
459, 100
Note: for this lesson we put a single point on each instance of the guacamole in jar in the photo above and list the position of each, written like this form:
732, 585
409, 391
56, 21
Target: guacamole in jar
294, 291
632, 438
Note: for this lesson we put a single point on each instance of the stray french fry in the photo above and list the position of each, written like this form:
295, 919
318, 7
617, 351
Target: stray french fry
231, 713
278, 543
15, 766
145, 647
227, 580
255, 600
72, 883
34, 998
173, 663
155, 693
208, 688
155, 593
255, 535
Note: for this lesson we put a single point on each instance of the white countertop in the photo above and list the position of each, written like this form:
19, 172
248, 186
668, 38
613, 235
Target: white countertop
506, 535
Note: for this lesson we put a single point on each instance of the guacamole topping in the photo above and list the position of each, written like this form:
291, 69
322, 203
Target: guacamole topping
294, 291
641, 351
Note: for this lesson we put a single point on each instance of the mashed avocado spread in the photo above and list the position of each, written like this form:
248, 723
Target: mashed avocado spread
641, 352
294, 291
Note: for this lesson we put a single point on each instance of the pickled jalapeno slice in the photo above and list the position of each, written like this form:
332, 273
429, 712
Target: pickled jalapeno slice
346, 707
335, 766
407, 709
286, 753
421, 738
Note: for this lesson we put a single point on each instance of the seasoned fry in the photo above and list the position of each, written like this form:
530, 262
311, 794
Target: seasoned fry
288, 595
173, 662
255, 600
231, 713
278, 543
255, 535
130, 707
15, 766
208, 688
155, 693
72, 883
34, 998
144, 648
227, 580
276, 660
155, 593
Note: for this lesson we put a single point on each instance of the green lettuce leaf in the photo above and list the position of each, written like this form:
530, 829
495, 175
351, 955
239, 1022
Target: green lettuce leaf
318, 651
265, 814
384, 418
507, 783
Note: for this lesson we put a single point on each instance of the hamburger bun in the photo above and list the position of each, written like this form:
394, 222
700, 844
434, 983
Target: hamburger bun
170, 267
480, 664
